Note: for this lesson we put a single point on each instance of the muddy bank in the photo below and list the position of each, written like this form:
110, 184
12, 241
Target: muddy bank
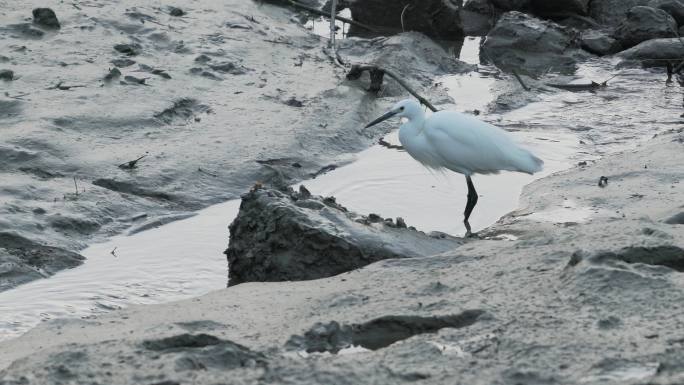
564, 291
132, 111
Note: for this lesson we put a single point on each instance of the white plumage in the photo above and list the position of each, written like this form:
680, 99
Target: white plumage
461, 143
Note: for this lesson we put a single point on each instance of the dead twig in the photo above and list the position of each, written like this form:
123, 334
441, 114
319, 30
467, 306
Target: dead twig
577, 87
402, 17
131, 164
61, 87
333, 13
333, 46
389, 145
583, 86
517, 76
75, 185
605, 82
377, 75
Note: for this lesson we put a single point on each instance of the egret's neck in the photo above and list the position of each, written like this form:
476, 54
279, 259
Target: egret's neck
413, 125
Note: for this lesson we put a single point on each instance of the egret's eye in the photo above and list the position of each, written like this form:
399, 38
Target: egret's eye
401, 108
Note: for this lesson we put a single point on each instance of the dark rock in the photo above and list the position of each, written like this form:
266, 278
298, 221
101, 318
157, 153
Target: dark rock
612, 12
599, 43
123, 63
510, 5
202, 59
134, 80
577, 22
403, 53
204, 74
46, 18
645, 23
161, 73
230, 68
436, 18
677, 219
274, 238
183, 109
294, 102
478, 17
654, 52
527, 44
113, 74
558, 7
377, 333
128, 49
181, 341
203, 351
177, 12
7, 75
331, 337
673, 7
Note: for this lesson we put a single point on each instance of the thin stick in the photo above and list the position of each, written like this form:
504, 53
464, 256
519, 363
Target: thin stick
131, 164
340, 18
402, 17
605, 82
515, 73
356, 71
75, 185
391, 146
333, 13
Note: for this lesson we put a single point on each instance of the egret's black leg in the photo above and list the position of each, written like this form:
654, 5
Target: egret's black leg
470, 205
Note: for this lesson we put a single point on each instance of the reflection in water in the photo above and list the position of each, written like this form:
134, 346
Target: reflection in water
390, 183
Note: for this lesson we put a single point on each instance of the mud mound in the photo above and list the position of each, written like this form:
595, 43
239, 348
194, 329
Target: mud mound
181, 110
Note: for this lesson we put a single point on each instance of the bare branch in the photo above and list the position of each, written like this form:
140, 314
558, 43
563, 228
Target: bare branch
377, 72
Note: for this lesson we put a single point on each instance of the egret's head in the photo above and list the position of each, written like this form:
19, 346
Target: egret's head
408, 108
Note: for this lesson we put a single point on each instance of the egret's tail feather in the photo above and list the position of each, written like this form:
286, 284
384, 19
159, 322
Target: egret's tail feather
535, 164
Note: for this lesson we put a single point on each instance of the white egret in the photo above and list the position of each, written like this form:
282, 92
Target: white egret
461, 143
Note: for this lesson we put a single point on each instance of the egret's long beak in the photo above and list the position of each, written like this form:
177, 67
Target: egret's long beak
384, 117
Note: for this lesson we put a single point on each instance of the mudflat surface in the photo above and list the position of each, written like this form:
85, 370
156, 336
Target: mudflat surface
582, 285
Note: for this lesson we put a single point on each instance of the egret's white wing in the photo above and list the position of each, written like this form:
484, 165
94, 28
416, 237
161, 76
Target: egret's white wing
468, 145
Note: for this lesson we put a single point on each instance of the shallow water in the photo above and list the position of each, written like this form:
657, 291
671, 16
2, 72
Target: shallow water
184, 259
